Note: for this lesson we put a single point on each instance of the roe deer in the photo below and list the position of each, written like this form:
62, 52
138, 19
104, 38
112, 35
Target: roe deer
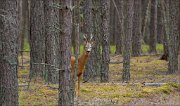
82, 60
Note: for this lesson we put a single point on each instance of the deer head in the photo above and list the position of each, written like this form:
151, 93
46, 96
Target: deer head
88, 44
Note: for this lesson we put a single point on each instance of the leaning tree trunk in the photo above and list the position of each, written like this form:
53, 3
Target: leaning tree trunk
37, 38
9, 38
105, 11
51, 32
128, 25
136, 36
153, 28
66, 97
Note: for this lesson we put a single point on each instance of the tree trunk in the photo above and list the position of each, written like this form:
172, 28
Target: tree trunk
145, 20
88, 30
173, 36
160, 27
51, 32
119, 35
97, 39
112, 22
153, 27
127, 39
9, 38
136, 36
105, 11
66, 97
37, 38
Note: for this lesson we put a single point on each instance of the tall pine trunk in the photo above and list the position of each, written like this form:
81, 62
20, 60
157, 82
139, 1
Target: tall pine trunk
153, 27
66, 97
128, 26
51, 32
105, 10
9, 38
37, 38
136, 36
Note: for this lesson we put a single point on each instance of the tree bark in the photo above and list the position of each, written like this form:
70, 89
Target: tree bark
66, 97
173, 36
136, 36
9, 38
160, 27
153, 27
37, 38
105, 11
51, 32
119, 35
128, 19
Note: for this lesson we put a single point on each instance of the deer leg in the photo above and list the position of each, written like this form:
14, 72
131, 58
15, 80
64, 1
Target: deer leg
78, 87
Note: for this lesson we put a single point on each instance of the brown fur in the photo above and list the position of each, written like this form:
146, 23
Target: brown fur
82, 60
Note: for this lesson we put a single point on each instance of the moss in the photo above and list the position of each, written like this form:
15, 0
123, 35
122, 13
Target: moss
85, 90
175, 85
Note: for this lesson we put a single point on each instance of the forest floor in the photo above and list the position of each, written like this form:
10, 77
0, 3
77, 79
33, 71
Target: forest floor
145, 69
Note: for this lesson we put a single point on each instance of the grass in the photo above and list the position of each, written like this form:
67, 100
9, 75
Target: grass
143, 69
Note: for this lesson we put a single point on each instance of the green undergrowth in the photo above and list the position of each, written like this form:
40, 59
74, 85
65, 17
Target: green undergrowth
39, 94
143, 69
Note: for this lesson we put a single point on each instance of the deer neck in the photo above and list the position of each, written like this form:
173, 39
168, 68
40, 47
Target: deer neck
83, 59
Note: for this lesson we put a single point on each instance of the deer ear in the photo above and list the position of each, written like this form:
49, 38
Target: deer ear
85, 37
91, 37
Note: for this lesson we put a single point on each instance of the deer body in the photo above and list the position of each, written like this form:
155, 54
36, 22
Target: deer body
82, 60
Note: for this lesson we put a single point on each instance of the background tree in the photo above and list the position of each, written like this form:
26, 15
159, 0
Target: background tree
146, 7
112, 27
37, 38
118, 40
9, 37
51, 24
136, 36
88, 25
160, 27
66, 97
153, 27
24, 24
105, 10
128, 25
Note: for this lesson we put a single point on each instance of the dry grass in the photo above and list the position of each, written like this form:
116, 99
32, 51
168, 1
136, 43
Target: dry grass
143, 69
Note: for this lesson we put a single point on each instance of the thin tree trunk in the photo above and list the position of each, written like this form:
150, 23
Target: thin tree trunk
9, 46
136, 36
119, 28
153, 27
88, 30
105, 11
127, 39
160, 27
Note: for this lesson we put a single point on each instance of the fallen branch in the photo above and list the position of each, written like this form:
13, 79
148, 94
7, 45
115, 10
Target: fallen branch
23, 85
117, 62
154, 84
